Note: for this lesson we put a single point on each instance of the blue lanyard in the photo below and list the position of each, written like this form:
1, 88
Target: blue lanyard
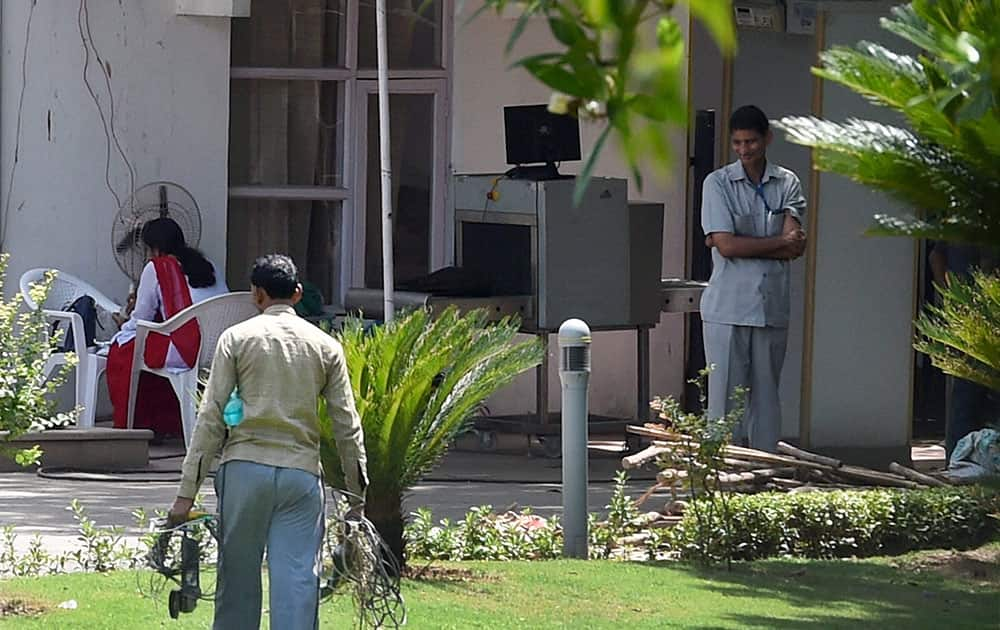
760, 193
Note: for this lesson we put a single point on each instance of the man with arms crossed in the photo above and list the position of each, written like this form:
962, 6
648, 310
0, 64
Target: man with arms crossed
269, 487
752, 215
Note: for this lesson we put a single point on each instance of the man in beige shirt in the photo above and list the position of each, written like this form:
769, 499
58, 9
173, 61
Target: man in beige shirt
269, 486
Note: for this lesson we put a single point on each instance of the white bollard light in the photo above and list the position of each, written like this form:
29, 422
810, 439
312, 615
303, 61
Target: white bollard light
574, 372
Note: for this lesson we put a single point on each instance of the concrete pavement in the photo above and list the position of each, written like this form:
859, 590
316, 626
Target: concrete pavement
503, 477
36, 505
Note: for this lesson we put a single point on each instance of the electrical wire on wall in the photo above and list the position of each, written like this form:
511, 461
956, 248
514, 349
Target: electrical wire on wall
108, 121
17, 128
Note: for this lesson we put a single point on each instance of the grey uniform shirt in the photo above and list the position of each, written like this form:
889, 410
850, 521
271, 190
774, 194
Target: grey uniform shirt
748, 291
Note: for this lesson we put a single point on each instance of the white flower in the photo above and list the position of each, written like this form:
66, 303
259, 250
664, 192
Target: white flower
559, 103
594, 109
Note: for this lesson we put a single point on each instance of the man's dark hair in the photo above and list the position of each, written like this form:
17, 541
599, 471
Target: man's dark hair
276, 274
749, 117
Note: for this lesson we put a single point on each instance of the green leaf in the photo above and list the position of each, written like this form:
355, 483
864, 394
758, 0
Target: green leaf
668, 33
653, 108
583, 179
717, 15
521, 24
560, 79
567, 32
28, 457
598, 11
537, 59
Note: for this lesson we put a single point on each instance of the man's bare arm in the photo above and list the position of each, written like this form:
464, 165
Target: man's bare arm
788, 245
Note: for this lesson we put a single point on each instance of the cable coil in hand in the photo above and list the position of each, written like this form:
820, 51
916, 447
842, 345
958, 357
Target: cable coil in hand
355, 559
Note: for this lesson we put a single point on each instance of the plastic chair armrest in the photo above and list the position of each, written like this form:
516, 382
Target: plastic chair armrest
76, 325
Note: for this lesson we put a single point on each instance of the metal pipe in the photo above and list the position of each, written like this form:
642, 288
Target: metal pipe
388, 285
574, 372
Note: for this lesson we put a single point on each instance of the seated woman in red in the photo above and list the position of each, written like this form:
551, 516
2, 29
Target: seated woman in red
176, 277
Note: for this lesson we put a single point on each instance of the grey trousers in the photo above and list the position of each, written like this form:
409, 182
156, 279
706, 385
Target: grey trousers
281, 509
750, 357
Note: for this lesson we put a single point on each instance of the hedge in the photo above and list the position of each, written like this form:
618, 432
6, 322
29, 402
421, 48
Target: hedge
842, 523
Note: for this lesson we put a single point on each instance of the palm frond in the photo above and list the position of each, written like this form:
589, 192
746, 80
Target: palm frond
417, 381
886, 77
946, 167
962, 335
944, 191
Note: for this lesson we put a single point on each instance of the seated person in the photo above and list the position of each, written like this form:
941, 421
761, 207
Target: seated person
175, 277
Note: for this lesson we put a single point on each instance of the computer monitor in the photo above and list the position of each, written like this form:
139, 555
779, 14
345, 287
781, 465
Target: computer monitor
534, 135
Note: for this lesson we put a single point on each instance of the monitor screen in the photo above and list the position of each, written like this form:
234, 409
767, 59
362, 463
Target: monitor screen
535, 135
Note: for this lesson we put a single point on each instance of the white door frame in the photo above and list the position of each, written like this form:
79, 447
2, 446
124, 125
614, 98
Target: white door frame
356, 221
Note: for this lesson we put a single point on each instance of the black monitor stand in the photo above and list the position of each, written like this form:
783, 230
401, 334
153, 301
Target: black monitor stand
536, 173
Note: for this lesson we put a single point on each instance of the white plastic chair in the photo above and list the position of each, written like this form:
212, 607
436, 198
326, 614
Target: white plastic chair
214, 316
64, 291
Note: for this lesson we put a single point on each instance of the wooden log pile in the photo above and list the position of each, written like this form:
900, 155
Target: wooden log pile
748, 470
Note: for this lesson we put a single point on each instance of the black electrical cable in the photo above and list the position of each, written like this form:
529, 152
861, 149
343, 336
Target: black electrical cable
108, 122
104, 475
354, 557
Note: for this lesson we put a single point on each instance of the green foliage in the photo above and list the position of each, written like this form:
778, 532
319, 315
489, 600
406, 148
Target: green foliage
947, 164
99, 549
622, 516
25, 347
417, 381
620, 63
483, 535
102, 548
701, 443
841, 524
962, 335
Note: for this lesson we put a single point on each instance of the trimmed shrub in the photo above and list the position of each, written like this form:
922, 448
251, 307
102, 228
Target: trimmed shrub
845, 523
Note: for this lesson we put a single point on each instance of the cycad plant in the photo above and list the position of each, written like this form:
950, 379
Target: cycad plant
945, 163
963, 333
417, 381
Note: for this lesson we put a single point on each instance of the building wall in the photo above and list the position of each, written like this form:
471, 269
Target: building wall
862, 364
483, 84
170, 81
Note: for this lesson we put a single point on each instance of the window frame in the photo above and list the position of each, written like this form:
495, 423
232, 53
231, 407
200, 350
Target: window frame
437, 250
351, 194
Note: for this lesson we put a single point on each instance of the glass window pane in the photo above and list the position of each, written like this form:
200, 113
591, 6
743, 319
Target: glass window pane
412, 128
414, 34
308, 231
286, 133
290, 33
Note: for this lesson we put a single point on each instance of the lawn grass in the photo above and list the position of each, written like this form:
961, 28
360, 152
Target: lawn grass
596, 594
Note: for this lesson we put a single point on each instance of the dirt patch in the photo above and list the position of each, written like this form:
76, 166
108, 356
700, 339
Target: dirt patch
434, 573
977, 565
16, 607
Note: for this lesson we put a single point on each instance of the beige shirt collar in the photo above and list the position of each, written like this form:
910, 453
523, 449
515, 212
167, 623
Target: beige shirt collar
280, 309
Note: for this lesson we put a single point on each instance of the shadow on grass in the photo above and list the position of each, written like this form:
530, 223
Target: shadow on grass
851, 593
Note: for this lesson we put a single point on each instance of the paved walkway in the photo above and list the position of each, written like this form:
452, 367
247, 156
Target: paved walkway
466, 478
37, 505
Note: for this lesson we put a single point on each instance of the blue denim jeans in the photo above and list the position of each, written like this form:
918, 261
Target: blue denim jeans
282, 510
